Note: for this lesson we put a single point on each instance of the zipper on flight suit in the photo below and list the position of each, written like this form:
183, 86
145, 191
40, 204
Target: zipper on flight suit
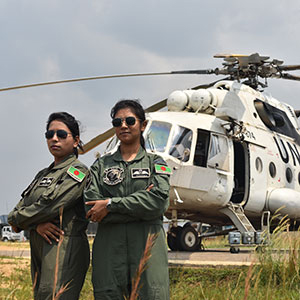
126, 177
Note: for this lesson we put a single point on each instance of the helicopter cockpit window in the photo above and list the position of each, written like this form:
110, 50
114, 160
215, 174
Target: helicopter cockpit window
157, 136
181, 143
276, 119
218, 152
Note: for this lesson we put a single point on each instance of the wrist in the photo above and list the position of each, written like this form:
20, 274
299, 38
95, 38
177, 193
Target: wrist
108, 204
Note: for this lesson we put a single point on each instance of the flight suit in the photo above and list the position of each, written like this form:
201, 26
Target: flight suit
54, 187
134, 213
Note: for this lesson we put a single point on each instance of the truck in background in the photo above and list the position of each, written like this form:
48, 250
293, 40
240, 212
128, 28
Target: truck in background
7, 234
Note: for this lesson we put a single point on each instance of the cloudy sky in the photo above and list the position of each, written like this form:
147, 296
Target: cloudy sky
62, 39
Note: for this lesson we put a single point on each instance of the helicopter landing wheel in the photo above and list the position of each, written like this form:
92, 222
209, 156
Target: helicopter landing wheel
173, 238
189, 240
234, 250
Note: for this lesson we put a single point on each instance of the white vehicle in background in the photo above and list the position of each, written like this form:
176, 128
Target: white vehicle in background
8, 234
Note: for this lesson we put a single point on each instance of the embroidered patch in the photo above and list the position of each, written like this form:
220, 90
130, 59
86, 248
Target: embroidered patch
140, 173
113, 176
46, 181
76, 174
162, 169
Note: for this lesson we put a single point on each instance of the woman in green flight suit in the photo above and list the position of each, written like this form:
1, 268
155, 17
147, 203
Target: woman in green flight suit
129, 193
58, 187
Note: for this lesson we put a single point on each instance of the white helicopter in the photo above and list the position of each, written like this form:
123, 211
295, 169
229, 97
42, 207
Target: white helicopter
234, 151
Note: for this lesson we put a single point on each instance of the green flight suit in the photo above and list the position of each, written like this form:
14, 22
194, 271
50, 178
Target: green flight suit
134, 213
52, 188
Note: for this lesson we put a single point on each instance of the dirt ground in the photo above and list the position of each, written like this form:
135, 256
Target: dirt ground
7, 264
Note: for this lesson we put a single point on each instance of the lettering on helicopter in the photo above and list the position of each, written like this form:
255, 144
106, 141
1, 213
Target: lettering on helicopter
249, 134
284, 153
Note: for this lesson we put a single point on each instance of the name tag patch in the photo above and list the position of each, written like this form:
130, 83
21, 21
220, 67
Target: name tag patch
140, 173
46, 181
113, 176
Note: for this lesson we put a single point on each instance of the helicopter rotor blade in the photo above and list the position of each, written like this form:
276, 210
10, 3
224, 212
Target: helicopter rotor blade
204, 72
82, 79
157, 106
289, 67
224, 55
99, 139
289, 76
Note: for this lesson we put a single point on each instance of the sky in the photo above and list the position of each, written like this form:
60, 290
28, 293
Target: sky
62, 39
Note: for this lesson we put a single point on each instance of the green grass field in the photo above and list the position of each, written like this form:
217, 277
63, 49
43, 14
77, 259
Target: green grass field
186, 283
276, 276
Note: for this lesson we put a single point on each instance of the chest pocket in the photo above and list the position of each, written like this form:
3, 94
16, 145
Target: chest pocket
48, 192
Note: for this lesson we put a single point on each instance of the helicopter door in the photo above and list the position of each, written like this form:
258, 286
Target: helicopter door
218, 156
241, 172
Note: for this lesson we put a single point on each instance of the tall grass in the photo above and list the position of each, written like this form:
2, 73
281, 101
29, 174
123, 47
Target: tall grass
142, 266
274, 275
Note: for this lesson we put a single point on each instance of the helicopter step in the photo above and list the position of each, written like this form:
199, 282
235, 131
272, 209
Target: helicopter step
245, 229
237, 216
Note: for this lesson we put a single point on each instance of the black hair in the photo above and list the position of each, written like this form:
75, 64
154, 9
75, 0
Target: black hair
136, 108
70, 122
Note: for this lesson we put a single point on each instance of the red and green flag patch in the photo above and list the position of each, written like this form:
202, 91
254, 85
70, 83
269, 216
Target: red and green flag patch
76, 174
161, 169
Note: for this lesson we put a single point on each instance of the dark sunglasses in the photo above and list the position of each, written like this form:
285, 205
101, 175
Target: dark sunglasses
62, 134
117, 122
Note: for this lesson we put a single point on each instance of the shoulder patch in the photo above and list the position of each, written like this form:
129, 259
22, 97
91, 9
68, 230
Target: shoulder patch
161, 169
76, 174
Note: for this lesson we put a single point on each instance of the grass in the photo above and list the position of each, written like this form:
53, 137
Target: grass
215, 242
277, 276
185, 283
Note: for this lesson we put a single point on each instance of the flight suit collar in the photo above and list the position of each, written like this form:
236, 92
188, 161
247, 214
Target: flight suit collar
67, 161
141, 154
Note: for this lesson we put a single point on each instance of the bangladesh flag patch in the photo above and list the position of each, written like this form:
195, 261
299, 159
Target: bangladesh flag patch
76, 174
161, 169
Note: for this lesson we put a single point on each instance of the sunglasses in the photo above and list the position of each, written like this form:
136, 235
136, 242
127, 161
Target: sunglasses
62, 134
117, 122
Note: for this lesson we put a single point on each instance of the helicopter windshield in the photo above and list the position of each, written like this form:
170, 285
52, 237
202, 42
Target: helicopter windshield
181, 143
157, 136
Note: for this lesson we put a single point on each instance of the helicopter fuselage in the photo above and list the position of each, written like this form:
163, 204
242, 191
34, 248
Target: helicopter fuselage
238, 147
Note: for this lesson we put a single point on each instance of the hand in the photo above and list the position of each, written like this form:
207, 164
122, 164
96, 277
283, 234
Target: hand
98, 211
150, 187
49, 231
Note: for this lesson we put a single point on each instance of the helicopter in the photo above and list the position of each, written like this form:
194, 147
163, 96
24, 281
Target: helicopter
234, 151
